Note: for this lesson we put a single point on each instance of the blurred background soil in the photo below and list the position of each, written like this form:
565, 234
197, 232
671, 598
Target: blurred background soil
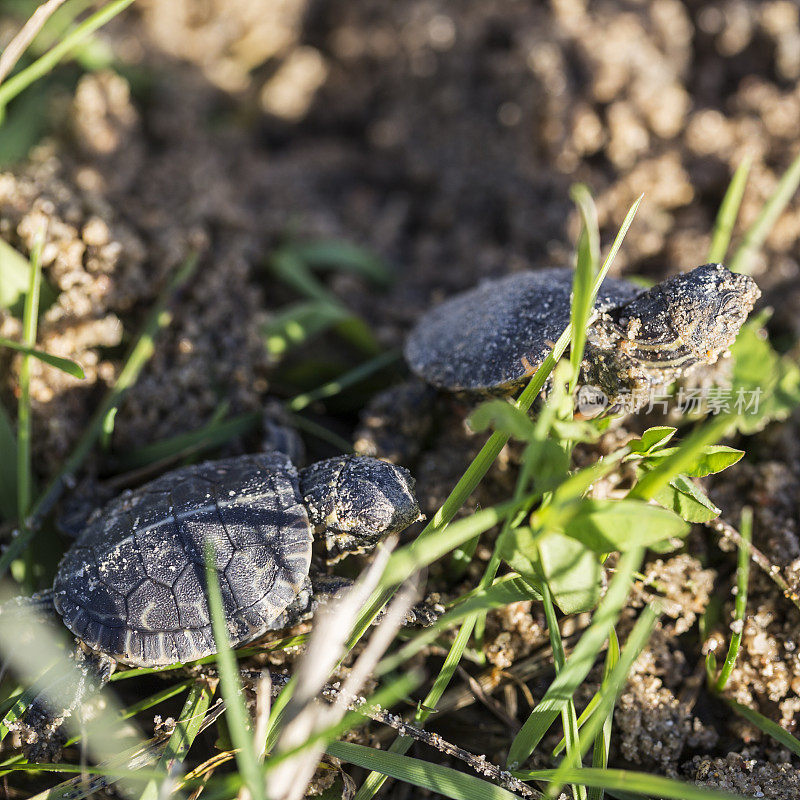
444, 137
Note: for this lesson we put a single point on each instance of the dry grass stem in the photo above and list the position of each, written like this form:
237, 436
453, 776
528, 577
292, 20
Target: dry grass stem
20, 43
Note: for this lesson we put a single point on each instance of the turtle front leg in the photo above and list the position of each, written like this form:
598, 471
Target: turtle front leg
42, 730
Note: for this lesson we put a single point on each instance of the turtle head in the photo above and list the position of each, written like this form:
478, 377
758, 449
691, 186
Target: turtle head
708, 306
357, 501
688, 319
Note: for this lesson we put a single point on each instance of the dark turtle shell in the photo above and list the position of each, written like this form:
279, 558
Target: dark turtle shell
493, 337
133, 584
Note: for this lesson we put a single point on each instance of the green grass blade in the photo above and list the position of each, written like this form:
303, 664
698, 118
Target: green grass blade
384, 698
471, 611
618, 239
17, 83
508, 589
728, 213
288, 267
8, 468
422, 552
585, 271
148, 702
293, 271
609, 691
182, 737
595, 699
579, 663
30, 321
63, 364
191, 443
157, 698
144, 347
236, 713
343, 256
376, 779
433, 777
569, 717
188, 725
639, 783
349, 378
742, 260
742, 579
779, 734
602, 739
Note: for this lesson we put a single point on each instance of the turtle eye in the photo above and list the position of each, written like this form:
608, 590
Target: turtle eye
729, 305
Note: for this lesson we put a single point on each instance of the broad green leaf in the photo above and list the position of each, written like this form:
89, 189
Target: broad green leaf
618, 525
572, 572
519, 549
15, 272
651, 439
766, 385
504, 417
687, 500
712, 459
655, 479
63, 364
548, 462
575, 430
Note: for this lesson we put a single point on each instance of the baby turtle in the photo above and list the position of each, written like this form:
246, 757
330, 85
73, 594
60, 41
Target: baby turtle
132, 586
491, 339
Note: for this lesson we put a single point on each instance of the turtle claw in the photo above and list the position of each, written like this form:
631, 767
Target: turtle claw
42, 744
